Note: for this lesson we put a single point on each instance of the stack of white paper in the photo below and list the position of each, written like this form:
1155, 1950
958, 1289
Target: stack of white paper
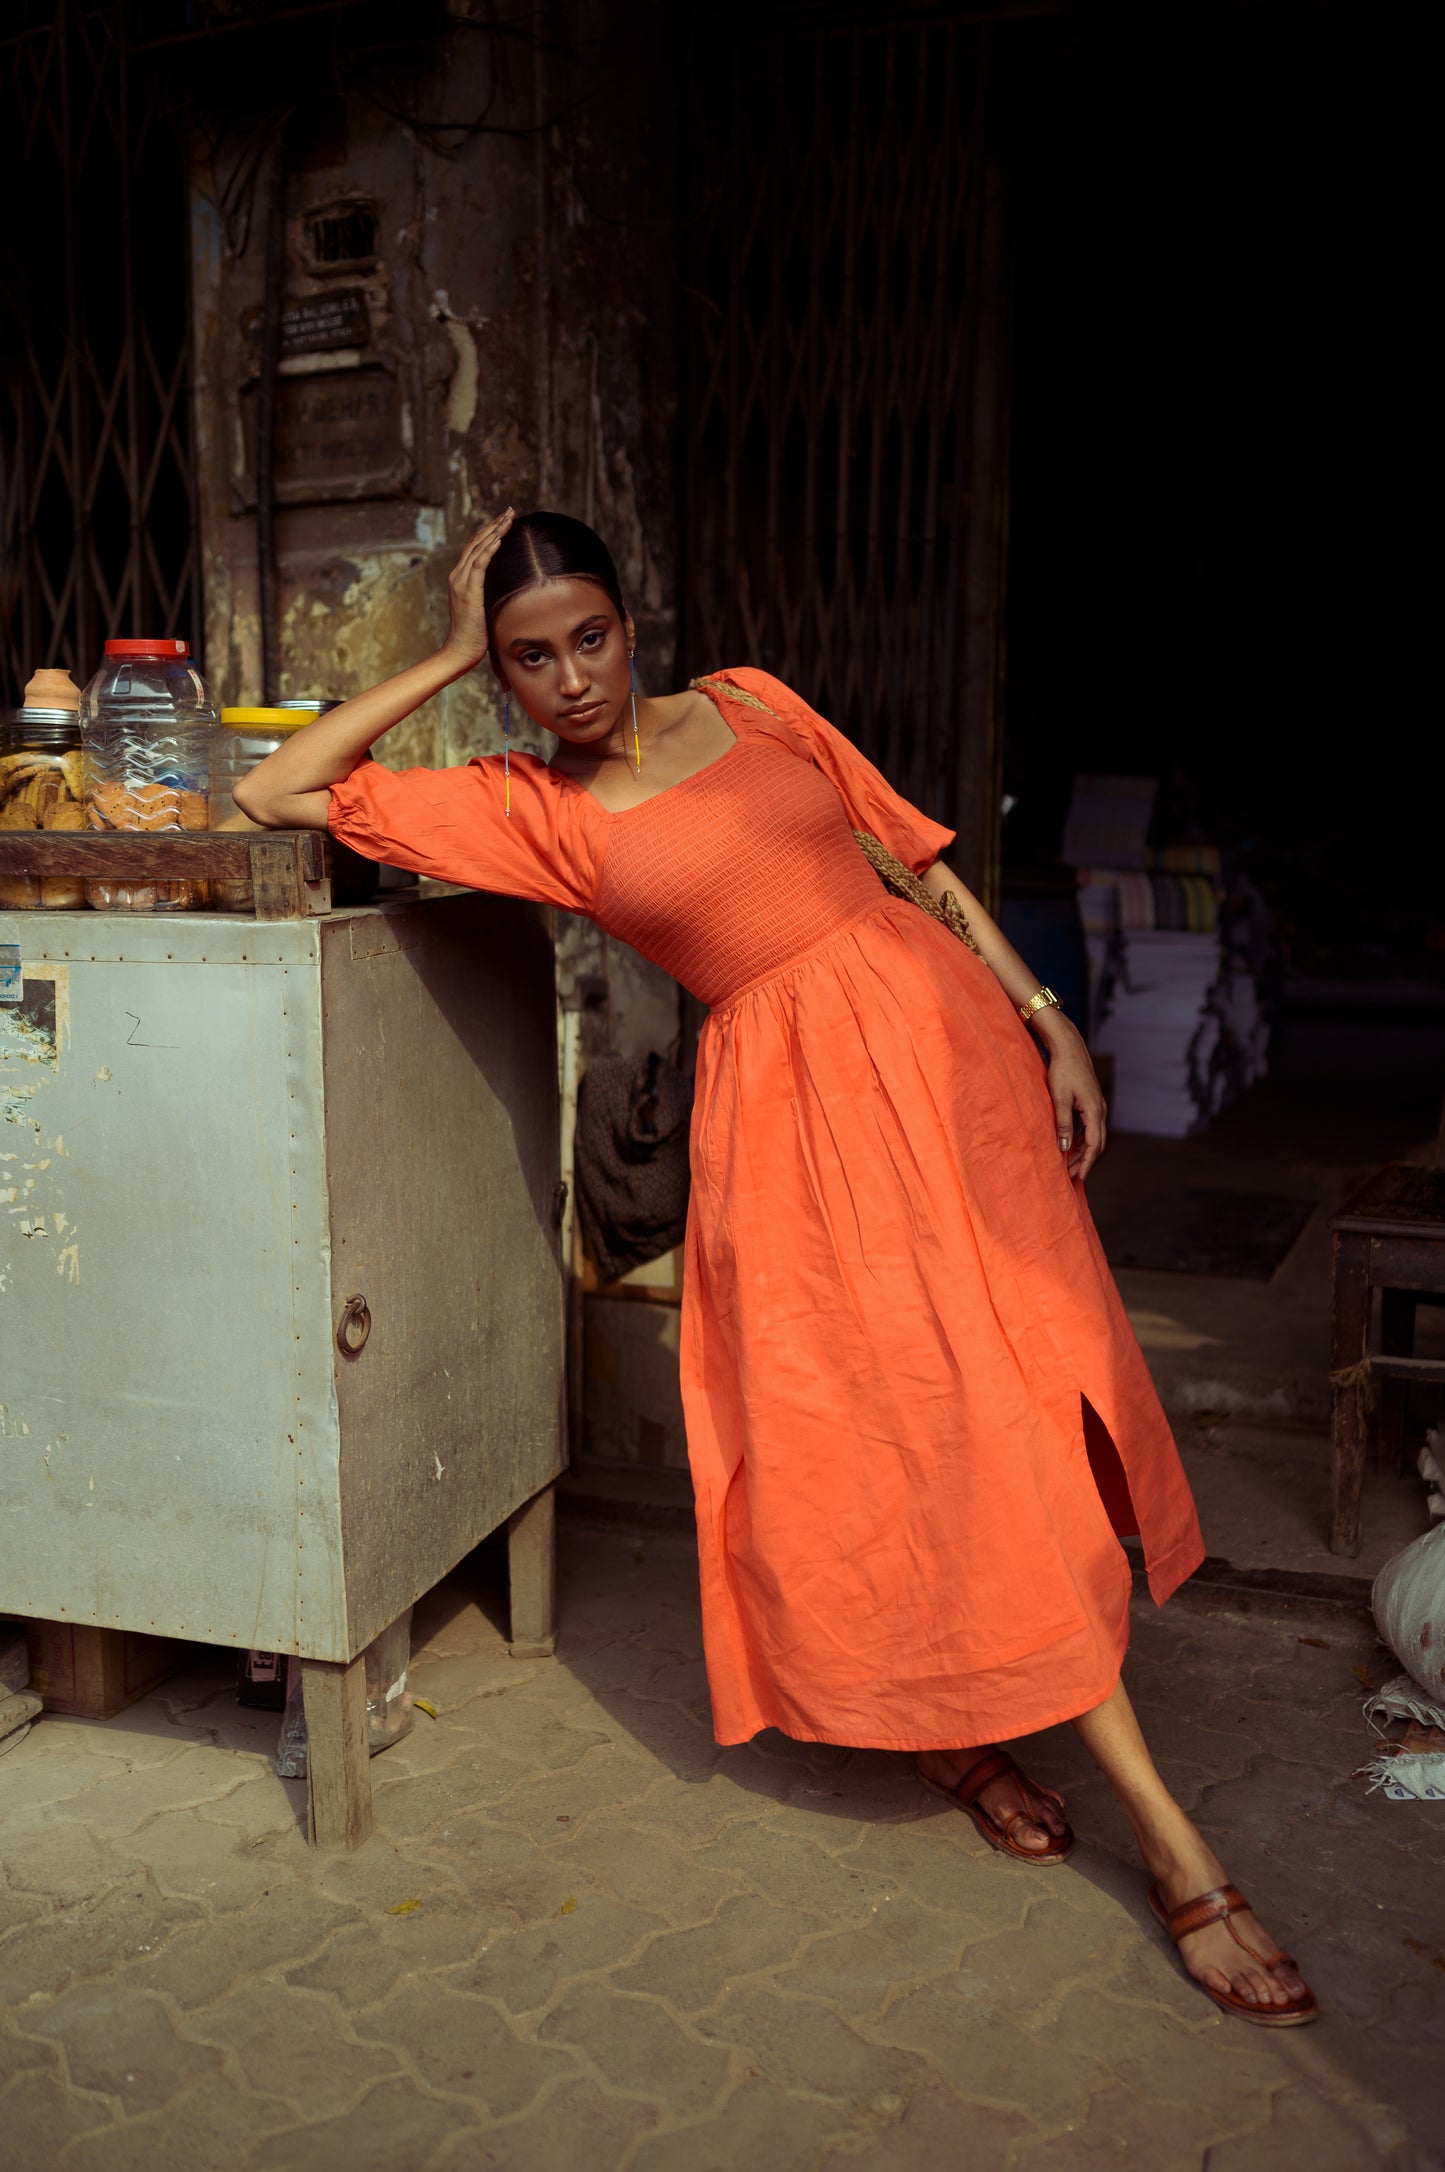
1163, 1030
1099, 911
1186, 1029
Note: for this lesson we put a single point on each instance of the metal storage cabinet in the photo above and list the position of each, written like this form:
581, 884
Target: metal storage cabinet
217, 1133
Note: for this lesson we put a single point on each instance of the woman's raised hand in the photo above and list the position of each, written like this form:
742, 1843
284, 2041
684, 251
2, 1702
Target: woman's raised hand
468, 633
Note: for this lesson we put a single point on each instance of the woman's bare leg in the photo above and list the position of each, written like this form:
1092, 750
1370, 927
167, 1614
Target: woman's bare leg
1178, 1856
1002, 1797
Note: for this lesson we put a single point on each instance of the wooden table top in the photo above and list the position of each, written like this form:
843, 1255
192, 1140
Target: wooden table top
1402, 1200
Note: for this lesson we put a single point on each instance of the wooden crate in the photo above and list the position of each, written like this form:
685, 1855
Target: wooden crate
93, 1673
290, 871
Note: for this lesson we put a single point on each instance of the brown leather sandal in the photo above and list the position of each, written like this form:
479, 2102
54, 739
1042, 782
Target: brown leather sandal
964, 1796
1217, 1907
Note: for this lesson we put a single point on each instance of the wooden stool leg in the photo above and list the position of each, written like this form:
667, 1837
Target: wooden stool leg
531, 1559
1349, 1328
338, 1753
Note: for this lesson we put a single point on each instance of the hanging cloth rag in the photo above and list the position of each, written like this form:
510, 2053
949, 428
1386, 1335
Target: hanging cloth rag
632, 1160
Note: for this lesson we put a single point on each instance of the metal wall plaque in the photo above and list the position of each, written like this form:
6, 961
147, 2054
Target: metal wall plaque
339, 434
325, 320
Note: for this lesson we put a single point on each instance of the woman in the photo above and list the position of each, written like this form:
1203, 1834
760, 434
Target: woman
916, 1414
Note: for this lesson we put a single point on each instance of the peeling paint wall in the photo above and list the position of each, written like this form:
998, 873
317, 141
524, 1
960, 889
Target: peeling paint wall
522, 299
34, 1034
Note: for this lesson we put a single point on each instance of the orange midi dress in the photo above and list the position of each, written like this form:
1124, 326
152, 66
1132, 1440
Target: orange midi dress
897, 1318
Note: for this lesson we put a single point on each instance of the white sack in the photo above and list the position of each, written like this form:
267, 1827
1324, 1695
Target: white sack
1408, 1603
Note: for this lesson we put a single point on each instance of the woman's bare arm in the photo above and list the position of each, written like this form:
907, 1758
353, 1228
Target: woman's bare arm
289, 790
1072, 1082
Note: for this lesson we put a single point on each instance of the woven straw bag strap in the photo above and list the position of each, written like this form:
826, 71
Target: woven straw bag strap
902, 881
890, 870
731, 693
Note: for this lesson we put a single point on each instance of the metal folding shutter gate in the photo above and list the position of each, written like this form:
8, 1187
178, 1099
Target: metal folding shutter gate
97, 527
845, 397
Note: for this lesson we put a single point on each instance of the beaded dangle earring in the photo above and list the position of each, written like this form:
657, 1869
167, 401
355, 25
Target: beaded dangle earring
507, 750
636, 742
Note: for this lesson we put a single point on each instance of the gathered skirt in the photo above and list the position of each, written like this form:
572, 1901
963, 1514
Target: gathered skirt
897, 1320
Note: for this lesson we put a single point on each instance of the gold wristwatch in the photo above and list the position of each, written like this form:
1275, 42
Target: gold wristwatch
1043, 1001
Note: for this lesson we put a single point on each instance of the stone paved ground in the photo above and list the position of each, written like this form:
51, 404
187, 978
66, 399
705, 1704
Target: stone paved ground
583, 1936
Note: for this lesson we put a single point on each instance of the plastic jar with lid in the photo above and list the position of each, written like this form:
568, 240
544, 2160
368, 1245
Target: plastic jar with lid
146, 725
40, 786
357, 879
245, 738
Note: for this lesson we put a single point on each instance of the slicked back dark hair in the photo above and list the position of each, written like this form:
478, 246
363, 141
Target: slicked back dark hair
548, 547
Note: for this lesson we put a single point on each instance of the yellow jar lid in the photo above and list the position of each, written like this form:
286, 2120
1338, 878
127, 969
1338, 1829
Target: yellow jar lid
268, 720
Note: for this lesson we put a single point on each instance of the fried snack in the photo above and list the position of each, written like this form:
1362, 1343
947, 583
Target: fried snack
17, 773
49, 795
64, 893
146, 807
40, 791
154, 808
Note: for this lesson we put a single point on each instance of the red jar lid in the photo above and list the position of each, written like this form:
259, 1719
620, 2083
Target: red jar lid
147, 648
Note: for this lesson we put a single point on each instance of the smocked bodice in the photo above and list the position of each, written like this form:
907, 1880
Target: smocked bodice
728, 877
723, 880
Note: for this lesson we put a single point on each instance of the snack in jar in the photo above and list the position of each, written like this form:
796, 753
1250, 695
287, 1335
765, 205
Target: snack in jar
40, 785
146, 724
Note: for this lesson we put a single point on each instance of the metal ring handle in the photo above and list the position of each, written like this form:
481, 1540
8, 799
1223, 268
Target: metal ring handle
354, 1328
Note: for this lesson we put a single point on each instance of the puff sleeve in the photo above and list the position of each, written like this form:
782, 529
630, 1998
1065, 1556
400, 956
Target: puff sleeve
452, 824
870, 799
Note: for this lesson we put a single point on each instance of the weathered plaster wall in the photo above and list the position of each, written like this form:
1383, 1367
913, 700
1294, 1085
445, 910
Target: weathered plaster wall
529, 317
524, 294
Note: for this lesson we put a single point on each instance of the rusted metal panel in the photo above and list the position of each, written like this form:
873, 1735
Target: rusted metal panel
324, 322
340, 433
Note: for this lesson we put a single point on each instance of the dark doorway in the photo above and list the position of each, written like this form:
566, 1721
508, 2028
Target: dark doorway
845, 395
1219, 437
